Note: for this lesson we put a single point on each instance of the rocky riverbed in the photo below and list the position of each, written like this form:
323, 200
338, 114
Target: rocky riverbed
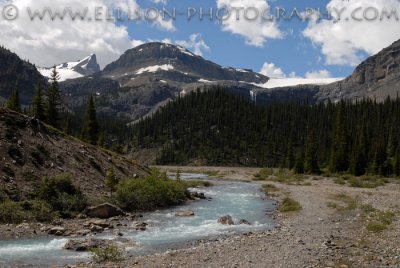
329, 231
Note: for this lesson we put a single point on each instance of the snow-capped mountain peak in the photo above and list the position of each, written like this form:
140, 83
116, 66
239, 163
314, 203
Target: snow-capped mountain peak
75, 69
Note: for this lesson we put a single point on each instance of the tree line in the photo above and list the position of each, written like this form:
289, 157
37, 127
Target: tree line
217, 128
47, 106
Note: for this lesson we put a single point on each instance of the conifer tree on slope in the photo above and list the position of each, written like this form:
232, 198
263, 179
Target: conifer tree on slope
13, 102
38, 110
91, 129
53, 100
339, 153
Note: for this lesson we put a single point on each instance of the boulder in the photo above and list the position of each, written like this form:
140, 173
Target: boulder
104, 211
184, 213
199, 195
57, 231
226, 220
243, 221
86, 244
83, 232
139, 225
96, 229
101, 223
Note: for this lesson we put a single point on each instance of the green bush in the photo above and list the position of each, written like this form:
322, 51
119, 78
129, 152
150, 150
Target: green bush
289, 205
269, 188
62, 195
367, 182
156, 191
376, 227
35, 210
197, 183
108, 254
263, 174
11, 212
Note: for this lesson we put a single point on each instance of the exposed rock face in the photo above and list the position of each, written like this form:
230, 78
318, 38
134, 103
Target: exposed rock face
177, 62
147, 76
184, 213
226, 220
377, 77
104, 211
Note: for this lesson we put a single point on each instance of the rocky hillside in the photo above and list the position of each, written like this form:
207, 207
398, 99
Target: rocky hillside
377, 77
30, 150
17, 73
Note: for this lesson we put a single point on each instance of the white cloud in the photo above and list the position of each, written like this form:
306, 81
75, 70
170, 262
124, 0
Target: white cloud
271, 70
255, 32
51, 42
195, 44
136, 43
342, 42
164, 2
318, 74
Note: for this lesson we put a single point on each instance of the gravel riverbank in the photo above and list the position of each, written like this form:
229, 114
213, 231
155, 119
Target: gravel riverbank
329, 231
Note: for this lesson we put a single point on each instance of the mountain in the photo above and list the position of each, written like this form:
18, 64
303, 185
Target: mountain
17, 73
146, 77
172, 64
71, 70
31, 150
377, 77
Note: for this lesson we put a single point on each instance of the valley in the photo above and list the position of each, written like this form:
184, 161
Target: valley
166, 159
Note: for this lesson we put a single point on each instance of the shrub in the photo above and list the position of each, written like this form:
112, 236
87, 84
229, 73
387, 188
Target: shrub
62, 195
269, 188
11, 212
156, 191
16, 212
263, 174
197, 183
366, 182
108, 254
289, 204
376, 227
340, 181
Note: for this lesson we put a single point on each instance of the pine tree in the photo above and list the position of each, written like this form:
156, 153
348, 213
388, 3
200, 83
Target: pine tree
396, 164
91, 129
37, 104
101, 141
339, 154
358, 161
53, 100
299, 165
311, 157
111, 181
13, 102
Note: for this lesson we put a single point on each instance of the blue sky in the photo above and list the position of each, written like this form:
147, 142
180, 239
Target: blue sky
313, 49
292, 53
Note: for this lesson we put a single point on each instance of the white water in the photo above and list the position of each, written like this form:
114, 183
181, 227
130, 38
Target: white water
238, 199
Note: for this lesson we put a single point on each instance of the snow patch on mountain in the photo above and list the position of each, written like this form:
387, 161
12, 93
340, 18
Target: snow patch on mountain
155, 68
65, 74
72, 70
